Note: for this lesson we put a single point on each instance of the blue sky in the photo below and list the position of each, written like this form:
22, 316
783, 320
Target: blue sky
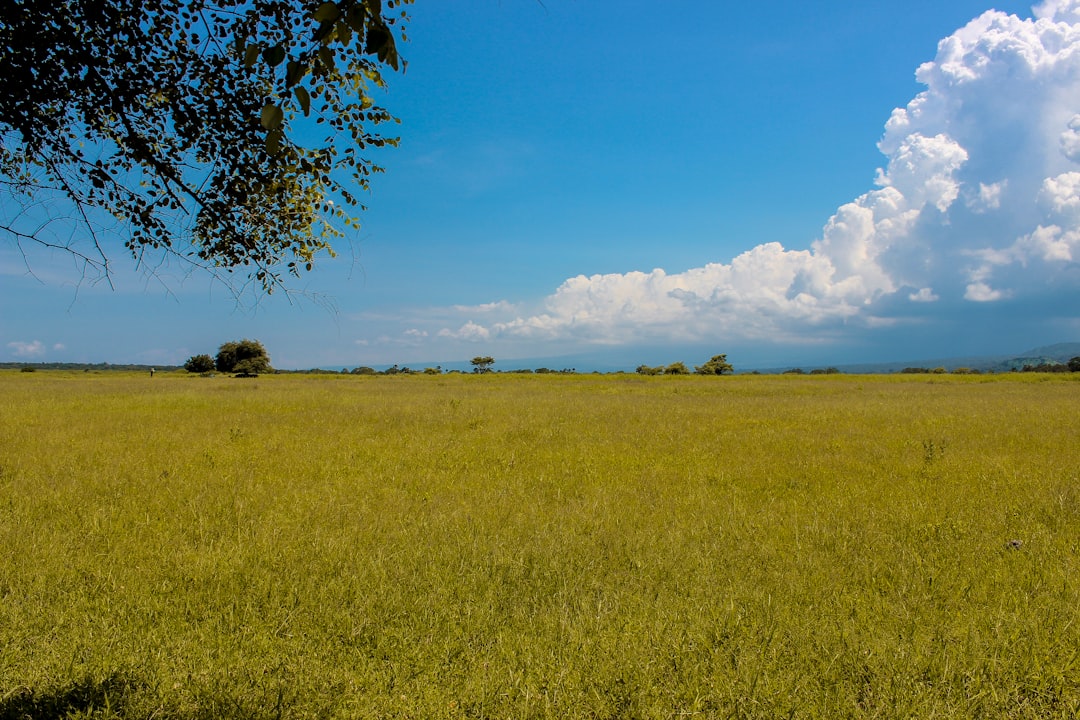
613, 183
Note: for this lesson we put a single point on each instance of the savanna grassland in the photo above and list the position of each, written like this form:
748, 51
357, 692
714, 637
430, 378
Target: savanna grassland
507, 546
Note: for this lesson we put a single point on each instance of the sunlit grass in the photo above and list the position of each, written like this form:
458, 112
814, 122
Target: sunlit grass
539, 547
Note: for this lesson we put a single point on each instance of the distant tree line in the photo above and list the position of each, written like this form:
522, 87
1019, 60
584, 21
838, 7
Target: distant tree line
1073, 365
1054, 367
85, 367
250, 357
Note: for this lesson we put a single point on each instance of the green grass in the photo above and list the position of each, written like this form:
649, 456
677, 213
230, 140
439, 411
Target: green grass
509, 546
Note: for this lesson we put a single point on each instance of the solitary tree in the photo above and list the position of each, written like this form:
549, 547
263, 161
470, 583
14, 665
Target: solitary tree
677, 368
482, 364
228, 133
199, 364
717, 365
246, 357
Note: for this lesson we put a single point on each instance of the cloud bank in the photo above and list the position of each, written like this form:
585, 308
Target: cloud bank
978, 202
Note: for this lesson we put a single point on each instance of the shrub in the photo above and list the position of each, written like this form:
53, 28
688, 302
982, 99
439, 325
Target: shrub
199, 364
677, 368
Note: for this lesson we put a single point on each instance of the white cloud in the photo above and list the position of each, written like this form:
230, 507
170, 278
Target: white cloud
1061, 194
470, 331
981, 292
997, 127
923, 295
34, 348
986, 197
1067, 11
1070, 140
500, 306
1049, 244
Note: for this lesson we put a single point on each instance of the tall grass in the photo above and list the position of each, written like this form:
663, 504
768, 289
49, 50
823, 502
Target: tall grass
539, 547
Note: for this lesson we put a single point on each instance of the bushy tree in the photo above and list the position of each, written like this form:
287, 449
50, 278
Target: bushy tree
649, 370
199, 364
717, 365
228, 133
246, 357
677, 368
1074, 364
482, 364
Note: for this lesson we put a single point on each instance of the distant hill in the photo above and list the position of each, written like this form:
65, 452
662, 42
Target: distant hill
1060, 353
87, 367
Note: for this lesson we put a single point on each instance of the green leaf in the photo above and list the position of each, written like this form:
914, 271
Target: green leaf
356, 16
271, 117
251, 55
293, 72
344, 33
327, 12
274, 55
303, 98
326, 56
273, 141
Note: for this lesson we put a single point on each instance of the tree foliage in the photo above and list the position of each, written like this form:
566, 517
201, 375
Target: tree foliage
227, 132
199, 364
482, 364
717, 365
246, 357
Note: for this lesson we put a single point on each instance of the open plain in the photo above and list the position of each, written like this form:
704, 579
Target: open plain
519, 546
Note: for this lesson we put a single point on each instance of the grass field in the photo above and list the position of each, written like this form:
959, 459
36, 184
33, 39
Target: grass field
509, 546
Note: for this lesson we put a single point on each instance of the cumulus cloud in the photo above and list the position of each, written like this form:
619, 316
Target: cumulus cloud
978, 201
923, 295
20, 349
1070, 139
1061, 194
981, 292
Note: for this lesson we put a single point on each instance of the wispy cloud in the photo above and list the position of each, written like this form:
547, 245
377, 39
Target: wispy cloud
32, 349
